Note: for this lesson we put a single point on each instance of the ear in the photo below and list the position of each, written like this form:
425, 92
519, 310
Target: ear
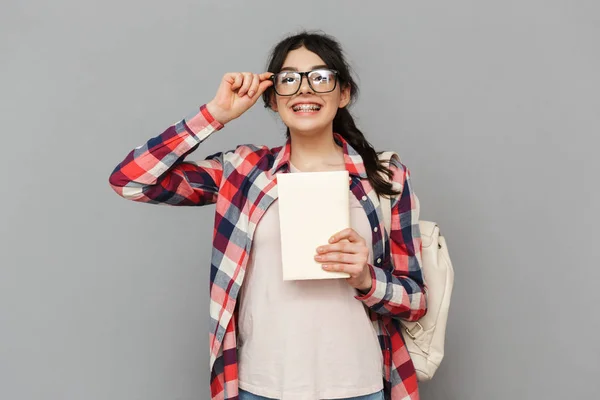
272, 102
345, 96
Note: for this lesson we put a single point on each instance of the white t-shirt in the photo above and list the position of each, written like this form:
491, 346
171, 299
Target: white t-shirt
304, 340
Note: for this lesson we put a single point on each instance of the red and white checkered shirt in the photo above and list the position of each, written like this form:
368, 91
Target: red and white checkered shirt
242, 184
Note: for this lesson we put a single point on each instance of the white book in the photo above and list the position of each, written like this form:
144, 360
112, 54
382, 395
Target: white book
312, 207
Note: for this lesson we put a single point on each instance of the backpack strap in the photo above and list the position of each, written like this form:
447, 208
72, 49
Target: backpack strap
386, 207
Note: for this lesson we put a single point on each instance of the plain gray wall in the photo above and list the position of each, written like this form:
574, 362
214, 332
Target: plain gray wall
494, 107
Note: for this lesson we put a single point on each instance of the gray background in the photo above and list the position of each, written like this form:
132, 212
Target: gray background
492, 105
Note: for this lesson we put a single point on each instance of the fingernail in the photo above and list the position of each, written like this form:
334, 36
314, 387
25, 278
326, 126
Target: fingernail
251, 93
331, 240
320, 249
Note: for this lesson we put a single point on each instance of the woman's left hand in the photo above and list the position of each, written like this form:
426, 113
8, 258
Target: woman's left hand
349, 256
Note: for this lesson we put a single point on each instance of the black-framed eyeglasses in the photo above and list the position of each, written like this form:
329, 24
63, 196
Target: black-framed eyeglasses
321, 80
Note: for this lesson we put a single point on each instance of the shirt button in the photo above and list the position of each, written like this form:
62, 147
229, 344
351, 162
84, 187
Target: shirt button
375, 229
364, 198
379, 261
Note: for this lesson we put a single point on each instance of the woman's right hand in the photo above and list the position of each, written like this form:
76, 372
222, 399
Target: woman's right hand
237, 92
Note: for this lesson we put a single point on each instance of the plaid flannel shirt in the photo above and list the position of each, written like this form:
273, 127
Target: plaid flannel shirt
242, 183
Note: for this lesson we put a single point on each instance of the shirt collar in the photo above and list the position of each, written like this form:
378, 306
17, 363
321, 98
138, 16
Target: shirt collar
353, 160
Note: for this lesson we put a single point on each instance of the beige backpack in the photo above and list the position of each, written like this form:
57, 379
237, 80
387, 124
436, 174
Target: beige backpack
425, 338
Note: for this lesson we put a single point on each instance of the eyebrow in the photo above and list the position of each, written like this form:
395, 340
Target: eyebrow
295, 69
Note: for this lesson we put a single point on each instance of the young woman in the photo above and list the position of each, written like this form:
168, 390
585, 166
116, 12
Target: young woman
294, 340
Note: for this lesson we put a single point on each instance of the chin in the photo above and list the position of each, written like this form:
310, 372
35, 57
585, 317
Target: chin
306, 126
307, 129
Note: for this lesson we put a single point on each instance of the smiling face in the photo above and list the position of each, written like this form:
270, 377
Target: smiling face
308, 112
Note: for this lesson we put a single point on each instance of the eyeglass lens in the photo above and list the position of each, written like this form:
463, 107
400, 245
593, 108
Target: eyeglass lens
320, 80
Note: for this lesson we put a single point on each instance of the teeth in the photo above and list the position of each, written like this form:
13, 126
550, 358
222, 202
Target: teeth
306, 107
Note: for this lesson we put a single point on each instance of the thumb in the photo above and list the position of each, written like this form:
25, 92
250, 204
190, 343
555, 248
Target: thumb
264, 85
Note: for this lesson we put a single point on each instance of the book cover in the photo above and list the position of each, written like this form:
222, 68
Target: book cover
312, 207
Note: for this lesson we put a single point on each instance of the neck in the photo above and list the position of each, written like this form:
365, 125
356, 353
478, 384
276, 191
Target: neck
315, 151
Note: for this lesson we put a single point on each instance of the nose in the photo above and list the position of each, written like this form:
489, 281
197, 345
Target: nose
304, 86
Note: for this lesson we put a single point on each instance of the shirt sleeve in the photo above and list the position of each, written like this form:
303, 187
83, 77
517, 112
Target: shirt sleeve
398, 289
156, 172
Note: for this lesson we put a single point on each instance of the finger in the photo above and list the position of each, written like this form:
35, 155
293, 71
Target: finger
265, 75
337, 257
343, 247
347, 268
237, 81
264, 85
246, 85
229, 77
347, 233
254, 86
335, 267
